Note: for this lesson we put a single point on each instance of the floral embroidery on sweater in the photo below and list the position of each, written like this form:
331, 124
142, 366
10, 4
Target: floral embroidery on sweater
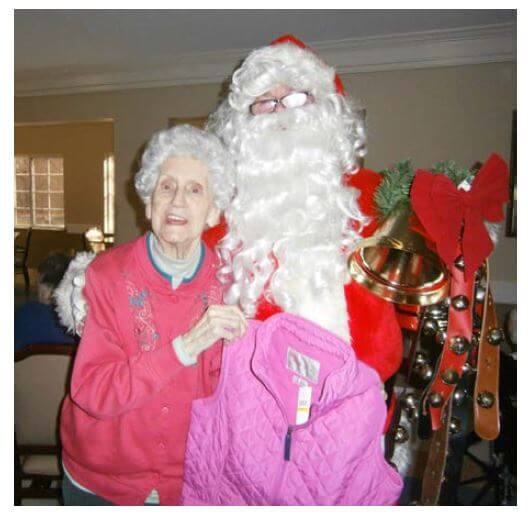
144, 329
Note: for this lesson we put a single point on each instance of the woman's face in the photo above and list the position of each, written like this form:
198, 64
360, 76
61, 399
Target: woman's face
181, 205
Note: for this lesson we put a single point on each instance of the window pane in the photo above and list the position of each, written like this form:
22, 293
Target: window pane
22, 183
41, 201
40, 183
22, 217
57, 218
56, 166
22, 164
57, 201
40, 166
23, 199
57, 183
41, 217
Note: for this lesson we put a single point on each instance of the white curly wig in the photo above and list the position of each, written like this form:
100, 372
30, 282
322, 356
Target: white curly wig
186, 140
301, 70
291, 212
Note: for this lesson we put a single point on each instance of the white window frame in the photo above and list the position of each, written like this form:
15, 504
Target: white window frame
33, 192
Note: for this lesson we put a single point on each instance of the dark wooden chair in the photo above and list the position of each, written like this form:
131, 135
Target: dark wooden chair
42, 375
21, 259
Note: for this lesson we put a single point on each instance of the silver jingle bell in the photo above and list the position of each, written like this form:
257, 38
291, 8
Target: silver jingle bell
459, 345
495, 336
436, 400
459, 263
450, 377
446, 303
440, 337
480, 273
424, 370
459, 396
455, 426
430, 326
467, 368
410, 401
436, 311
401, 435
460, 302
480, 293
486, 399
420, 359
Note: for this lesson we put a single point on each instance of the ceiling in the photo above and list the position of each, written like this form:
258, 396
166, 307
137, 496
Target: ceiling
75, 43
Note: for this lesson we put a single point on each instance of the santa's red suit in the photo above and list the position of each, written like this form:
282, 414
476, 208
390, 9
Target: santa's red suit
374, 330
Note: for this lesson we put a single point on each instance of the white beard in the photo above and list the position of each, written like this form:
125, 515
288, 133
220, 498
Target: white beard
294, 207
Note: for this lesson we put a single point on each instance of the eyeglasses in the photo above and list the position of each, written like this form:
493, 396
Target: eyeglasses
291, 100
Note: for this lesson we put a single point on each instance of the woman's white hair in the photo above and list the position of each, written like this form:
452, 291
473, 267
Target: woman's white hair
186, 140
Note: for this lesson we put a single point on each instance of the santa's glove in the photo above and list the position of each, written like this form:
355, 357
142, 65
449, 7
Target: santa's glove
70, 303
218, 322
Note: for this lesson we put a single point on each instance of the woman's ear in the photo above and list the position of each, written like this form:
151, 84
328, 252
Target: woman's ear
213, 217
148, 210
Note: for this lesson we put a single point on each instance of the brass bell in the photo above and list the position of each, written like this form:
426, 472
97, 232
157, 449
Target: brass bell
397, 265
459, 345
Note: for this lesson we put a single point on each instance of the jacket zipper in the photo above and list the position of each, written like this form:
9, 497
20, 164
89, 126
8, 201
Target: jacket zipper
285, 457
287, 443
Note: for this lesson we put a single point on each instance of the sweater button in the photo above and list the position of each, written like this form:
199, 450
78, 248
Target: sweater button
161, 445
165, 410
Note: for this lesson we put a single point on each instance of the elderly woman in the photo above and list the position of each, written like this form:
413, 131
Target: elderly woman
151, 340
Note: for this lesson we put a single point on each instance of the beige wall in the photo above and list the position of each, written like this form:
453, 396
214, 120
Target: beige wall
83, 146
460, 113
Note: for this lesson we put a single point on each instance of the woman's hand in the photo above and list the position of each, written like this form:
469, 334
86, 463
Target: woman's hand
218, 322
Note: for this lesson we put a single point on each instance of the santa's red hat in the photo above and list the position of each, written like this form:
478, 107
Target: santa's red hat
289, 38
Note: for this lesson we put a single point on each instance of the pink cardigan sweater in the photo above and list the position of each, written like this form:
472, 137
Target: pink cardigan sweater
124, 426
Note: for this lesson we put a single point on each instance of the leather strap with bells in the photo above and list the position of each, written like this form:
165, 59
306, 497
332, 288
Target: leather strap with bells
486, 400
456, 346
436, 461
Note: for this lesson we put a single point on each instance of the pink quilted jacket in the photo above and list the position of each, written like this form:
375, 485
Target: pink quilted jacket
252, 442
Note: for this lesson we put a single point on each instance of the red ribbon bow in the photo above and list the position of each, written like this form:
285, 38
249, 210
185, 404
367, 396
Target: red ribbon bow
455, 218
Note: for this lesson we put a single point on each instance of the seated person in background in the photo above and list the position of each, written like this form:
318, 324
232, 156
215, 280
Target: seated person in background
37, 321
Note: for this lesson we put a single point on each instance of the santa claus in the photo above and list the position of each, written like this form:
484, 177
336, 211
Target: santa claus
297, 140
301, 203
